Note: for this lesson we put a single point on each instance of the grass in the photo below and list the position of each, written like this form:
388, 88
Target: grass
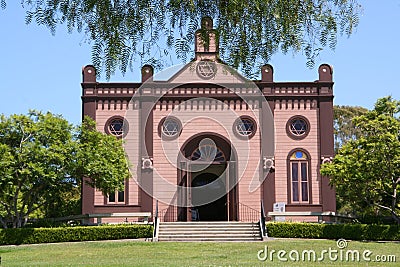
138, 253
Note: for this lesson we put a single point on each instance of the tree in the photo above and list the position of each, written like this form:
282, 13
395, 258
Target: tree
250, 32
43, 157
366, 171
344, 129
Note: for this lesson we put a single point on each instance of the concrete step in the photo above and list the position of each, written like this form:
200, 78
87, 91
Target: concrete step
209, 223
209, 231
197, 228
211, 239
168, 231
182, 236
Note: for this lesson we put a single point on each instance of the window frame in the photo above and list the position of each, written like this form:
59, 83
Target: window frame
117, 194
218, 151
239, 120
125, 126
289, 130
161, 125
300, 161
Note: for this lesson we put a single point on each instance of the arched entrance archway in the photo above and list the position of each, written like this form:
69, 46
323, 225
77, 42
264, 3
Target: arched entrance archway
207, 179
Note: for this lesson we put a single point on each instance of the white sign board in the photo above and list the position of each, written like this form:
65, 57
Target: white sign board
279, 207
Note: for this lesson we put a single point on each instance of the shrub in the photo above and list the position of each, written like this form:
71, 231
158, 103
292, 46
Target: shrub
72, 234
335, 231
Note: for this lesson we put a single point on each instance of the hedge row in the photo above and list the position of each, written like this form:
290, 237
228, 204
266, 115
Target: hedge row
110, 232
335, 231
71, 234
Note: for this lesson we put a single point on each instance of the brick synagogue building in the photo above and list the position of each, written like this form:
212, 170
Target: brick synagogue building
206, 144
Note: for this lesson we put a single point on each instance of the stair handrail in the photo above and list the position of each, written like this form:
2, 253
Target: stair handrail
156, 224
263, 226
248, 213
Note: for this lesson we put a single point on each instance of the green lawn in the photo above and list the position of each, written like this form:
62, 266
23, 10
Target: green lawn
139, 253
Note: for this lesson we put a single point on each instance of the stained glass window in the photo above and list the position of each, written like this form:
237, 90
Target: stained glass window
245, 126
170, 127
209, 153
298, 126
116, 127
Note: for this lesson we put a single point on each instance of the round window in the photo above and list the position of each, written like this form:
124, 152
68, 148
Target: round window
245, 127
298, 127
170, 127
116, 126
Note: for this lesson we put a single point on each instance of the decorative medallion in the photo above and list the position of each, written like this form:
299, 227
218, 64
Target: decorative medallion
147, 163
268, 164
326, 159
206, 69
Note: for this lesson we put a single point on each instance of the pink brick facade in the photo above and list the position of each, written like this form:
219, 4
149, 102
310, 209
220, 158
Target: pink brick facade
207, 110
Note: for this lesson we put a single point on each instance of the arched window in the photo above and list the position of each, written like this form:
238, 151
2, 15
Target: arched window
209, 153
299, 176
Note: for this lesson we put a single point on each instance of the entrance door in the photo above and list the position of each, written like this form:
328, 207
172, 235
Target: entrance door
184, 192
204, 162
209, 198
233, 191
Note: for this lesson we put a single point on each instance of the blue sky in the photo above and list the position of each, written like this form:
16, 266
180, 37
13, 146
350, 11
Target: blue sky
43, 72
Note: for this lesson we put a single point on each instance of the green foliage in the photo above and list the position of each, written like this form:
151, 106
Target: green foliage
73, 234
49, 223
250, 32
366, 170
344, 129
64, 204
335, 231
107, 167
36, 148
43, 160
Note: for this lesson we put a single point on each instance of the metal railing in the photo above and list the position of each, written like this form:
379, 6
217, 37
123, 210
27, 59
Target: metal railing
156, 224
169, 214
248, 214
263, 226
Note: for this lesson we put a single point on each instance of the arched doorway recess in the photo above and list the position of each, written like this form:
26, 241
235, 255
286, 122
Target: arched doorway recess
207, 179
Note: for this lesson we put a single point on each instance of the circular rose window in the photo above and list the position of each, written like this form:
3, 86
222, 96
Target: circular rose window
298, 127
116, 126
245, 127
170, 127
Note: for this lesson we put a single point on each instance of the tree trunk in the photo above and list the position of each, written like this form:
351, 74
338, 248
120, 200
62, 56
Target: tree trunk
394, 202
4, 223
396, 218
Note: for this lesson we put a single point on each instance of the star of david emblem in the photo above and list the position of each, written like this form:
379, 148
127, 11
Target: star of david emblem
245, 127
298, 127
206, 69
117, 127
170, 128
